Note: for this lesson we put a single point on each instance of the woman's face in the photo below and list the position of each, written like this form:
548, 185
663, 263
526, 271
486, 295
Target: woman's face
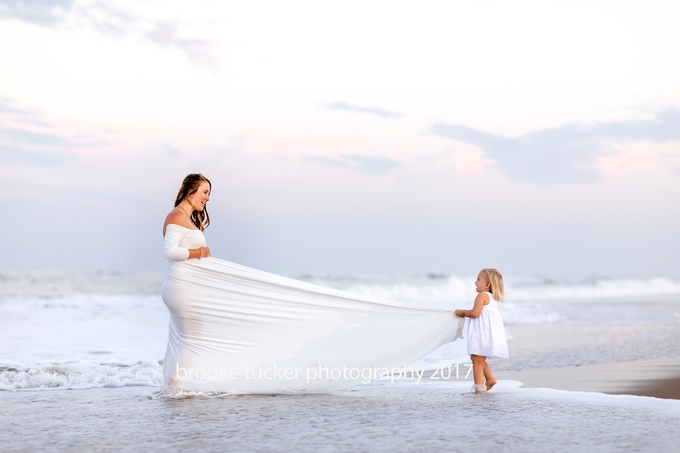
200, 198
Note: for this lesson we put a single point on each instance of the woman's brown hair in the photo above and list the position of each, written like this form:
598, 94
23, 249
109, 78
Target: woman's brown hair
189, 187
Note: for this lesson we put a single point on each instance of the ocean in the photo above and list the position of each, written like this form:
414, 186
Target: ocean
87, 345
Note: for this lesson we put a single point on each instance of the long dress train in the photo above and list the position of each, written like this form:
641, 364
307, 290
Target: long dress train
240, 330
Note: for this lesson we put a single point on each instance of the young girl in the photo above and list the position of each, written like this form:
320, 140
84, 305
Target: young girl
485, 334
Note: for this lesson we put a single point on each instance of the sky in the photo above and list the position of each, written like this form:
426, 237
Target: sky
379, 137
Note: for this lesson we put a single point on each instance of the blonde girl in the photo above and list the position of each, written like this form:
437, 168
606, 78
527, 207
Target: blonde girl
485, 333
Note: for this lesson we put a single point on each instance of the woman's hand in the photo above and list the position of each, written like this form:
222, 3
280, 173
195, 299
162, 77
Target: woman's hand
201, 252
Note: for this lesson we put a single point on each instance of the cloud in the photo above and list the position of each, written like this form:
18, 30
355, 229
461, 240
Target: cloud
29, 146
565, 154
327, 161
357, 162
6, 107
49, 140
11, 153
371, 110
21, 115
41, 12
39, 147
111, 21
199, 51
170, 150
34, 138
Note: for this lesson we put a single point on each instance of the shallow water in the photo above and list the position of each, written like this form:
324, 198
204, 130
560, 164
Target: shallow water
379, 417
82, 329
104, 332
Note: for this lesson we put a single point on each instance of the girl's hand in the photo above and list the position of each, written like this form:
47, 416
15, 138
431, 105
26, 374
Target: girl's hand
459, 313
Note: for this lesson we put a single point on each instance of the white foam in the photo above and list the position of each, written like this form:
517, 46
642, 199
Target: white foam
68, 337
594, 289
461, 288
529, 299
81, 375
63, 282
667, 406
631, 402
83, 327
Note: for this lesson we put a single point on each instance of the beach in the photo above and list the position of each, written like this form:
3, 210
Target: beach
80, 371
248, 226
632, 374
402, 417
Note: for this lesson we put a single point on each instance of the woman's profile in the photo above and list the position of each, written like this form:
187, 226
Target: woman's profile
190, 213
235, 329
184, 239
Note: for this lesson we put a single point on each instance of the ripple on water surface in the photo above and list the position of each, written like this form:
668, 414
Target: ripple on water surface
379, 417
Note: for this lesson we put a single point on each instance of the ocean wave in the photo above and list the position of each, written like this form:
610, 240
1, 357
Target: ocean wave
420, 289
442, 290
65, 282
81, 375
601, 288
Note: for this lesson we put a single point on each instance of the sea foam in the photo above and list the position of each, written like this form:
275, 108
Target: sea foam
81, 375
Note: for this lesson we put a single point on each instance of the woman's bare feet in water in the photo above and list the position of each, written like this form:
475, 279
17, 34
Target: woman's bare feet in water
491, 383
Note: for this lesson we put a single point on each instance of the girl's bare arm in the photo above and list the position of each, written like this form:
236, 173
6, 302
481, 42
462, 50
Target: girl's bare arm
481, 300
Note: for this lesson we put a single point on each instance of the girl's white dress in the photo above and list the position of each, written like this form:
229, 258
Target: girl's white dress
485, 334
240, 330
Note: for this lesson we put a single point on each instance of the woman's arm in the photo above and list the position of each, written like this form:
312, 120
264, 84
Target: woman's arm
171, 248
481, 300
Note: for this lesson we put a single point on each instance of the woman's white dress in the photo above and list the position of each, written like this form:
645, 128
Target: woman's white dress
237, 329
486, 334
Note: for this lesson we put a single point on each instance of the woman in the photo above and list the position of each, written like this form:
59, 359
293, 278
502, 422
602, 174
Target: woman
239, 330
190, 213
183, 240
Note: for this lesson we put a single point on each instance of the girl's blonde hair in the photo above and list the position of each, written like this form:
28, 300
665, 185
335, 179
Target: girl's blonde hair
496, 279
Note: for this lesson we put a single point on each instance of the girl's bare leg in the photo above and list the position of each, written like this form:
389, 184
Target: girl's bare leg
490, 380
478, 362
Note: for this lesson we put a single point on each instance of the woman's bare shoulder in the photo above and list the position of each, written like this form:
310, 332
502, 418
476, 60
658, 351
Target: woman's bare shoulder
176, 217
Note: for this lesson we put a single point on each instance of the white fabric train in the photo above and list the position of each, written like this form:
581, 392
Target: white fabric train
240, 330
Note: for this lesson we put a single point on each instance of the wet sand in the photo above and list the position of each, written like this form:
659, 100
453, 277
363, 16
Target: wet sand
403, 416
399, 417
628, 374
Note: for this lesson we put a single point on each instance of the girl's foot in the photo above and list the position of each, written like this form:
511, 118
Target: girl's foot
490, 384
479, 388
